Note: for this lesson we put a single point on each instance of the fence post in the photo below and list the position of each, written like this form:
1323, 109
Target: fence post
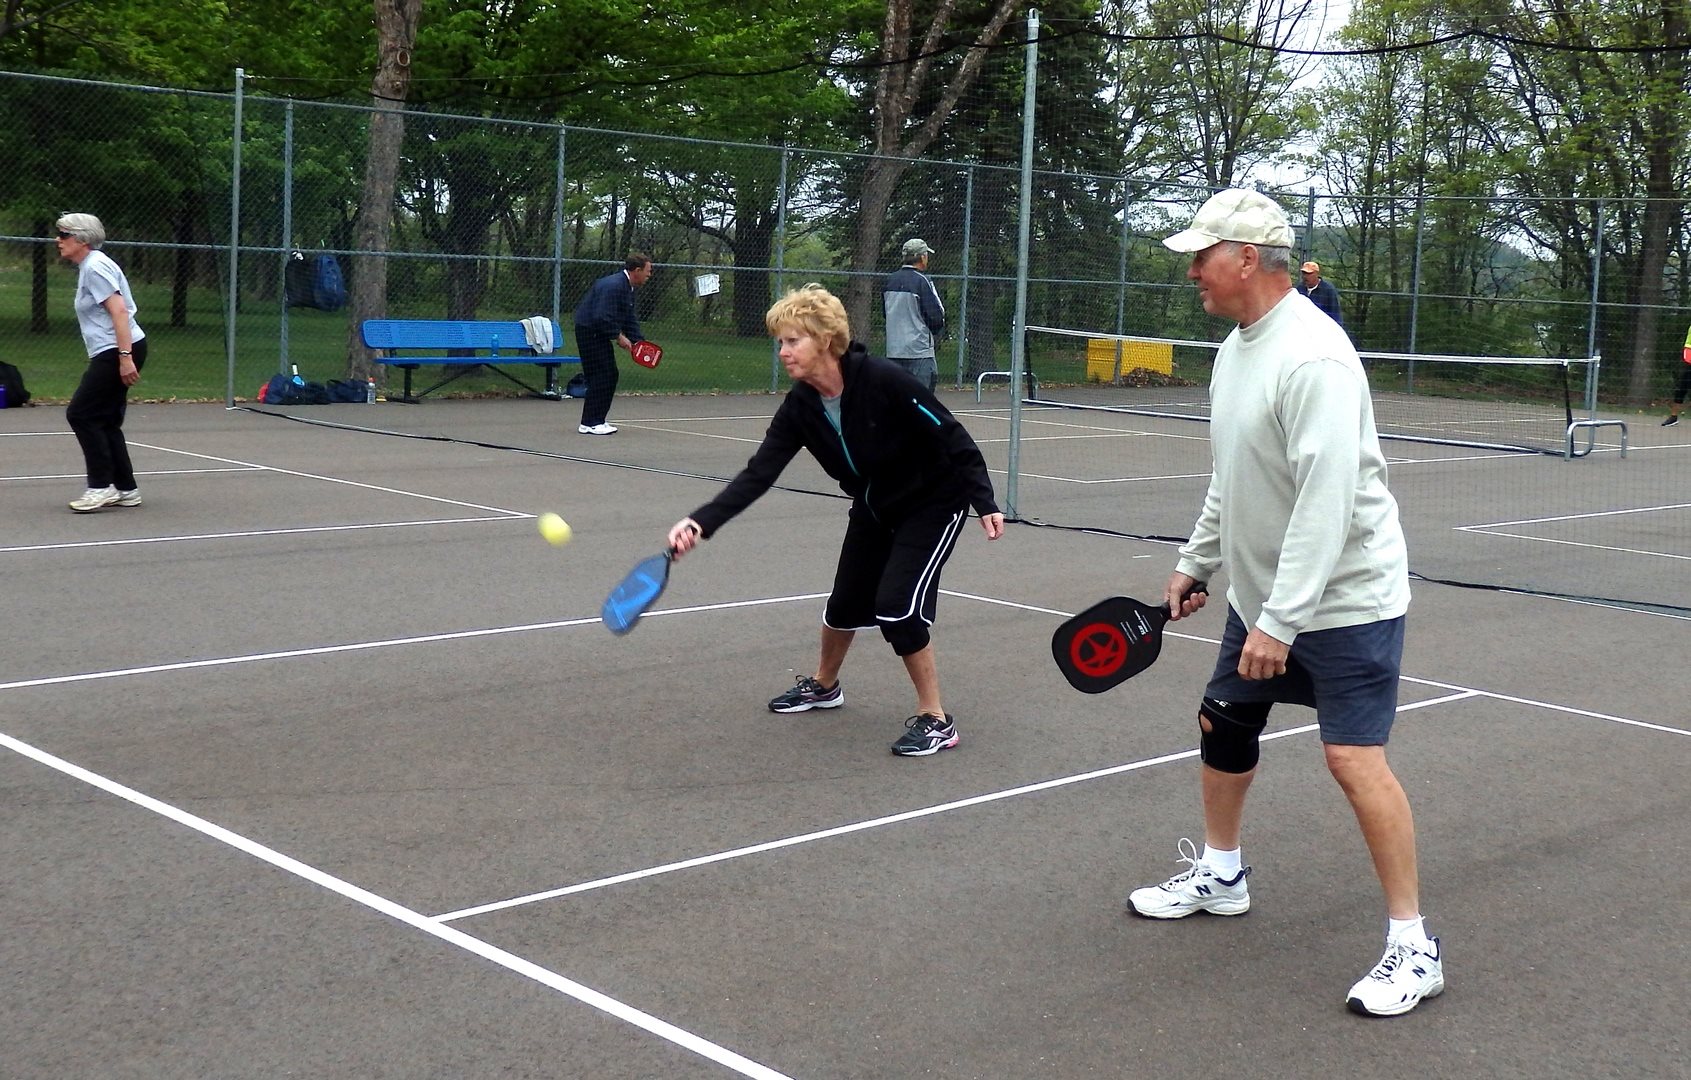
1309, 229
780, 264
1121, 262
558, 234
1018, 324
963, 297
1415, 271
1596, 281
287, 222
234, 248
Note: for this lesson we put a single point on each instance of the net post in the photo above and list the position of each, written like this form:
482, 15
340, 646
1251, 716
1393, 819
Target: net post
1018, 328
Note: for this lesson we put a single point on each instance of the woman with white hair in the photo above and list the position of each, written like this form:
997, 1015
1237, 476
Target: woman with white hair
117, 350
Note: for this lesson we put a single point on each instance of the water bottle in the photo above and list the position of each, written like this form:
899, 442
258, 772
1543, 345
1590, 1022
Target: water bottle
370, 392
297, 380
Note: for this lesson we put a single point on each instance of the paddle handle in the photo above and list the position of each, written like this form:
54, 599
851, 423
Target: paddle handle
1197, 587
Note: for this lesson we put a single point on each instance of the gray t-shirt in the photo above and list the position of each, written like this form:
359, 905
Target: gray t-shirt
96, 279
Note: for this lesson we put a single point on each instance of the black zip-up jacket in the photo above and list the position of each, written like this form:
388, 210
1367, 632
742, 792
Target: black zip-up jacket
899, 449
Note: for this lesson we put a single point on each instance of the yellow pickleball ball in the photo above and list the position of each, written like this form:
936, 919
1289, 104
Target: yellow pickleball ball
555, 529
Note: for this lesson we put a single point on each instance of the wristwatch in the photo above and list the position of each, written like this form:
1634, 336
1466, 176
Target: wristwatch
125, 352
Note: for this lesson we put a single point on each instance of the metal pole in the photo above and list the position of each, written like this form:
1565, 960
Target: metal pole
1018, 325
1121, 274
780, 264
287, 222
1591, 328
558, 233
963, 297
1309, 229
234, 246
1415, 271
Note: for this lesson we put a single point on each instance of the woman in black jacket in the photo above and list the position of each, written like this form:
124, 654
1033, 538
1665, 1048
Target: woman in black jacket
913, 473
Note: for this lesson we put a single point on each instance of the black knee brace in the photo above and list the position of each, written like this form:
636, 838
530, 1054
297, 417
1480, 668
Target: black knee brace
1230, 744
906, 636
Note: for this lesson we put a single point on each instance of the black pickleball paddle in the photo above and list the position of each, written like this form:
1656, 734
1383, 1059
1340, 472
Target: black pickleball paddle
1110, 642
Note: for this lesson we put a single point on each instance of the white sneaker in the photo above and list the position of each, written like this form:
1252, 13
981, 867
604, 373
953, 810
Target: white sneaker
132, 497
596, 429
1404, 976
94, 498
1196, 889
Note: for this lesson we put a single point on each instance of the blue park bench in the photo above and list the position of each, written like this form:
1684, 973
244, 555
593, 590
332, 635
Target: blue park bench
409, 343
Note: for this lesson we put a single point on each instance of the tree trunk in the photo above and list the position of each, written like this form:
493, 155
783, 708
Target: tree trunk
367, 292
1660, 215
897, 87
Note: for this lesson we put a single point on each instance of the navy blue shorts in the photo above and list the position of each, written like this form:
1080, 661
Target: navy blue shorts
1348, 675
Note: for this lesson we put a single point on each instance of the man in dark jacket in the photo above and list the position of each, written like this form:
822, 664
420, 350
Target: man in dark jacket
912, 471
1320, 292
915, 316
605, 317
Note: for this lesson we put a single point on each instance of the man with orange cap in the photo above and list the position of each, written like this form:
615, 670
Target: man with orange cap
1321, 292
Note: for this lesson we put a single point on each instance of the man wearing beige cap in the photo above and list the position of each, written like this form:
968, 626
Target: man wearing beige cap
1298, 514
1321, 293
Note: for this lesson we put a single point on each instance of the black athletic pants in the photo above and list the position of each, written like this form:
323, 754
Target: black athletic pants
96, 414
599, 366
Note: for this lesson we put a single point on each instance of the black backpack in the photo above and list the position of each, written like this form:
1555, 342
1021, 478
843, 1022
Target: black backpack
314, 282
12, 379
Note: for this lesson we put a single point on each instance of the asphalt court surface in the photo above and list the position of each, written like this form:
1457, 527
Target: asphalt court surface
320, 764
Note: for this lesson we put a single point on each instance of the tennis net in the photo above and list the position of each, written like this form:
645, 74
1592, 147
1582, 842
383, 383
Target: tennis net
1487, 402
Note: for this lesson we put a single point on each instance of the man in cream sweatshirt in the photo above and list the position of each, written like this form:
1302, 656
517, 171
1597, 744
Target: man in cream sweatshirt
1299, 515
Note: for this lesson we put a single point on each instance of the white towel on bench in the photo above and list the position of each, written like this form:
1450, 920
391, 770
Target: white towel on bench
538, 330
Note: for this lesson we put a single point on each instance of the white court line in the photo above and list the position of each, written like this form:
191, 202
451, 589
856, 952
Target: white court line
138, 473
1577, 543
357, 646
399, 913
1577, 517
890, 819
335, 480
1109, 479
257, 532
644, 426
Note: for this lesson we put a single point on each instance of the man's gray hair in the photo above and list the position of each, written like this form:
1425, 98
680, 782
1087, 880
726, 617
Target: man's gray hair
1276, 258
85, 227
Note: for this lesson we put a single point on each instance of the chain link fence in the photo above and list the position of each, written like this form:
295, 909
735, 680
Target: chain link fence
502, 219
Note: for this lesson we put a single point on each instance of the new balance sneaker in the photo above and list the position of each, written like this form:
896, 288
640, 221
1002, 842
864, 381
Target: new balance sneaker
808, 694
926, 734
597, 429
131, 497
1403, 977
1671, 421
94, 499
1197, 888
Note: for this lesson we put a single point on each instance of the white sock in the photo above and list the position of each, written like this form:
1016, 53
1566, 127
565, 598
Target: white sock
1409, 931
1226, 864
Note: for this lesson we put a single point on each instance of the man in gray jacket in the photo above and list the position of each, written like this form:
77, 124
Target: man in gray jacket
915, 316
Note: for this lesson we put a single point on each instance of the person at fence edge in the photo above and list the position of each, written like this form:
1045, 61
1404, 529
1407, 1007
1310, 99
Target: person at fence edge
1321, 292
1299, 514
912, 471
1683, 386
914, 314
605, 317
117, 351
